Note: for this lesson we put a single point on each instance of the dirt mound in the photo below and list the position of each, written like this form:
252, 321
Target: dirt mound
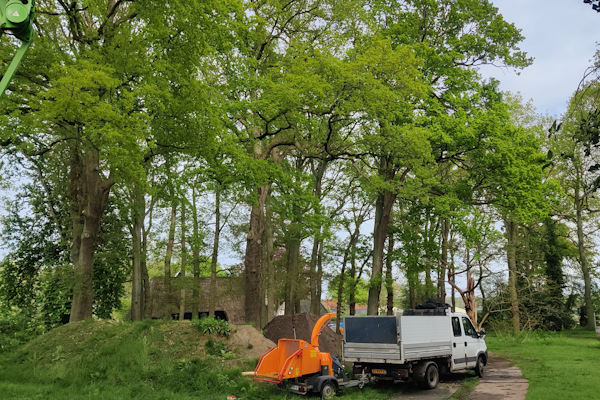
284, 326
248, 341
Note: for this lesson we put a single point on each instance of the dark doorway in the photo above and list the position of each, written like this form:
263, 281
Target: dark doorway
188, 315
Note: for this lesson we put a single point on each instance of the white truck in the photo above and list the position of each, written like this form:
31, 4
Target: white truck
419, 344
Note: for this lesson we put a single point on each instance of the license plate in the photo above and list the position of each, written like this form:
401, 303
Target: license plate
379, 371
294, 387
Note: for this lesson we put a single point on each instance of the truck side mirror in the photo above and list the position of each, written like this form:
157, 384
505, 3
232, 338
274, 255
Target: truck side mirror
481, 332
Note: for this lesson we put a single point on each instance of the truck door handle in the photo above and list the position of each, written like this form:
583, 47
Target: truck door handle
454, 344
465, 344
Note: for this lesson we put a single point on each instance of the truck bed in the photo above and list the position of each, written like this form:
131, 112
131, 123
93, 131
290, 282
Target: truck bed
396, 339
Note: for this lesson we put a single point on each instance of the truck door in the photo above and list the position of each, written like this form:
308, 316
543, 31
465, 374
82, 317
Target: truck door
458, 348
471, 341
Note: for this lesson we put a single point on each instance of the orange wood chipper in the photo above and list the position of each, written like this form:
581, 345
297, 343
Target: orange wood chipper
301, 367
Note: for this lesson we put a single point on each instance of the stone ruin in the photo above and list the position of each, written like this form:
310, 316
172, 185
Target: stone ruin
229, 303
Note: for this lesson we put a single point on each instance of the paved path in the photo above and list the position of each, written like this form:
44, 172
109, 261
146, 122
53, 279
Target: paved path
502, 381
446, 388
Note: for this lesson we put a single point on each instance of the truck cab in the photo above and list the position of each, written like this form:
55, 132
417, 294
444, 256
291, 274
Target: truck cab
467, 344
416, 344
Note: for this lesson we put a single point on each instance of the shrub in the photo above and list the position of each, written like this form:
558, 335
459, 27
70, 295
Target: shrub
16, 328
217, 348
211, 326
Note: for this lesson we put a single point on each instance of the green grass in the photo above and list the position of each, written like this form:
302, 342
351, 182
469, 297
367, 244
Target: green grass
93, 360
559, 366
465, 390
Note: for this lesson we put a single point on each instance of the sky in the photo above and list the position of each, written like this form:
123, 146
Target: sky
562, 36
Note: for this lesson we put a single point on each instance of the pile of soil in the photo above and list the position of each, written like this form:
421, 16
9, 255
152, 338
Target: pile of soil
185, 341
284, 326
248, 341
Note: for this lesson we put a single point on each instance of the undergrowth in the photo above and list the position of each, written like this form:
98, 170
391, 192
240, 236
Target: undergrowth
212, 326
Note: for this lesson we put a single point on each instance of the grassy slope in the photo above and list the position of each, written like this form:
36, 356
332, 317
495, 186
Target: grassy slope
558, 365
148, 360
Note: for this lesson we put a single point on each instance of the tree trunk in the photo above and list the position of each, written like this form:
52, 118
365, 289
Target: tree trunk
137, 279
583, 260
412, 296
168, 258
253, 256
77, 203
443, 260
215, 254
315, 301
353, 283
183, 264
268, 266
319, 276
340, 288
511, 256
292, 253
383, 209
97, 190
469, 298
389, 279
195, 243
451, 273
144, 259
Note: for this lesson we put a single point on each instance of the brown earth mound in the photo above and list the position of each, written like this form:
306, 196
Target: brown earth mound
284, 327
183, 340
248, 341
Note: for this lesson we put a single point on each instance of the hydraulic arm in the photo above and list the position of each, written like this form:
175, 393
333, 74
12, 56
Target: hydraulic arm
16, 18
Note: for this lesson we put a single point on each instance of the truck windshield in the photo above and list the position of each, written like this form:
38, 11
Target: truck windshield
469, 330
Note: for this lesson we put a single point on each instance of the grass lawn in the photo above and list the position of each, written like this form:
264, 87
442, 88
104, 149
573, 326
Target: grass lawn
559, 366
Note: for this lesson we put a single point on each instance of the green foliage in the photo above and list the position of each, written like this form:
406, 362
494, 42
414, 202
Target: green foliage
56, 291
218, 348
212, 326
16, 328
361, 289
540, 308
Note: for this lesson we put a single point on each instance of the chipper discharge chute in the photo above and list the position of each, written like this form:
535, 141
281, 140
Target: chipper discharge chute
302, 368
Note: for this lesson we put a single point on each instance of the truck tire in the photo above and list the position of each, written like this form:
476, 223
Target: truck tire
328, 391
480, 367
431, 377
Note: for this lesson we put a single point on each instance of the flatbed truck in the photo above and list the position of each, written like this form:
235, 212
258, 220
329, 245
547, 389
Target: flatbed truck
416, 344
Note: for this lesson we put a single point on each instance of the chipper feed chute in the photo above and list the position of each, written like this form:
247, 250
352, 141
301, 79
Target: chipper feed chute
294, 358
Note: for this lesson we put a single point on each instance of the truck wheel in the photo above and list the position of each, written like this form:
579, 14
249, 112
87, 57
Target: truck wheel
327, 391
480, 367
431, 377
